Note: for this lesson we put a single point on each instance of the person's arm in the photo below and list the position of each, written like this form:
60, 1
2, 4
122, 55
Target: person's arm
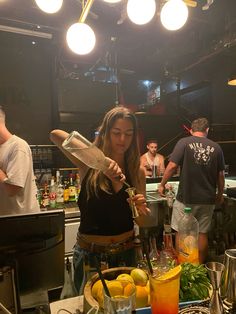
170, 170
162, 165
9, 189
220, 187
58, 137
144, 165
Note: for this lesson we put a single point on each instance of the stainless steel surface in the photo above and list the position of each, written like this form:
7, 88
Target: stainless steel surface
154, 196
195, 310
156, 205
72, 222
215, 271
71, 212
228, 288
8, 290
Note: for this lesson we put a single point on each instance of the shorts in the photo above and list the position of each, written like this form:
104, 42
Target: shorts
203, 213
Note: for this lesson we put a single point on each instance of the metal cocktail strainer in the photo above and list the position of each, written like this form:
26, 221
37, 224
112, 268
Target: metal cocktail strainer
195, 310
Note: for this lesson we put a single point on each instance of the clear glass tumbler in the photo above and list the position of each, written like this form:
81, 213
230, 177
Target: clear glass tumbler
120, 303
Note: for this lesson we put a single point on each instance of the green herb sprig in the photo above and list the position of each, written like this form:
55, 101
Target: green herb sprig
194, 282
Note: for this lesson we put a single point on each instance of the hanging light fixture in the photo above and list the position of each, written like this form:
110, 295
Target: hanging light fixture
174, 14
80, 37
141, 11
232, 80
49, 6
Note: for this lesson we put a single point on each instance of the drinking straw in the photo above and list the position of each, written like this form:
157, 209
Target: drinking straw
148, 259
101, 277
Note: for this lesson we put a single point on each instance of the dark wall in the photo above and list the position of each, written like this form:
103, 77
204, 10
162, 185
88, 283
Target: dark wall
37, 100
25, 86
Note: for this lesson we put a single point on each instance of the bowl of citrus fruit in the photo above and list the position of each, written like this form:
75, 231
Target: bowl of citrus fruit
120, 281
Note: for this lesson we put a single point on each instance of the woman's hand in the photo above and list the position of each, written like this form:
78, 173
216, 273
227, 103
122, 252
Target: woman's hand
140, 202
114, 172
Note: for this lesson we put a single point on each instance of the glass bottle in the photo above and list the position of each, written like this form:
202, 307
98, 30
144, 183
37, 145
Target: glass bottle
187, 244
45, 199
66, 192
52, 193
77, 185
72, 190
140, 258
68, 290
59, 193
169, 253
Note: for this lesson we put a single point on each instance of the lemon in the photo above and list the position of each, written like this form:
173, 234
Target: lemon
115, 288
141, 296
171, 273
139, 276
97, 286
97, 292
125, 279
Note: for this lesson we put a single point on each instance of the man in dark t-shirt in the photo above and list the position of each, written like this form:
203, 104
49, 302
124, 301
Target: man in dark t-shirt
201, 181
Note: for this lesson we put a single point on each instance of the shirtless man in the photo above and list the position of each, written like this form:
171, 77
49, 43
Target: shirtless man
152, 160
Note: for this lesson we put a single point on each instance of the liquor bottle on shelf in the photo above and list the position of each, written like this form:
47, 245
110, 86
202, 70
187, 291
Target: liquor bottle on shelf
59, 193
66, 192
45, 198
39, 196
52, 193
72, 190
57, 177
77, 185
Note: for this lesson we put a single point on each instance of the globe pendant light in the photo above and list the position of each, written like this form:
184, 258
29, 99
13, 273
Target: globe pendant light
80, 38
49, 6
232, 80
141, 11
174, 14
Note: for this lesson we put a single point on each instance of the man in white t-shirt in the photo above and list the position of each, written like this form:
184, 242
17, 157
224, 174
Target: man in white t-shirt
152, 162
17, 181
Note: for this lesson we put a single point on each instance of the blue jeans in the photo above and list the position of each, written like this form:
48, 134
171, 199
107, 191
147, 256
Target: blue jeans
85, 267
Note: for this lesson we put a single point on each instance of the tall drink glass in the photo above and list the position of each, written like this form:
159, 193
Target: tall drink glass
164, 291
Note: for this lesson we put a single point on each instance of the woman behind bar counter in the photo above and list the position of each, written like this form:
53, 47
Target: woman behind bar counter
106, 226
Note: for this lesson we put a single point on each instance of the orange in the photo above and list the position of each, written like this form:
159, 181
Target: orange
141, 296
129, 289
171, 273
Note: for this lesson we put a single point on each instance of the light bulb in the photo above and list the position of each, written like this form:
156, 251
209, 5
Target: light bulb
80, 38
49, 6
141, 11
174, 14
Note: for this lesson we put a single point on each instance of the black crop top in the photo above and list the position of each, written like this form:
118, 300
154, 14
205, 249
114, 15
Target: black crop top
108, 214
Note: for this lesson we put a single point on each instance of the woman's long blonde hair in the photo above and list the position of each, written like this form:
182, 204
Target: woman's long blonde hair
96, 179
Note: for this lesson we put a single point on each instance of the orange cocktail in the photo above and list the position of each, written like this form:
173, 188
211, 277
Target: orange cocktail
164, 292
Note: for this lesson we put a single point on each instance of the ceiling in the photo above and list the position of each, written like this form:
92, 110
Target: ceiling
147, 52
